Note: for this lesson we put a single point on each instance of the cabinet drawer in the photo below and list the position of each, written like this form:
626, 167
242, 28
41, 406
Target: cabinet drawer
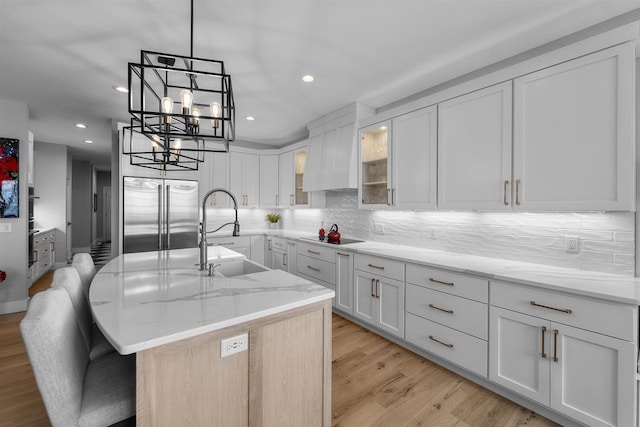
231, 242
380, 266
451, 345
445, 281
278, 243
463, 314
317, 268
603, 317
317, 251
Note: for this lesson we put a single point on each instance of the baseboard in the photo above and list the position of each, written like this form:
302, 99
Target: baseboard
13, 306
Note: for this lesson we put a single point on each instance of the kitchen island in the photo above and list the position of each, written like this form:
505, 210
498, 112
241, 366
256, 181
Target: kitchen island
179, 322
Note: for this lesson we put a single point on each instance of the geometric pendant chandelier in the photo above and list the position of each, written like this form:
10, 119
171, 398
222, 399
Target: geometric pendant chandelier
181, 107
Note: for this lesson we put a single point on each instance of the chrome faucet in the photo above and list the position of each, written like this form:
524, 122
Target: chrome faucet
203, 226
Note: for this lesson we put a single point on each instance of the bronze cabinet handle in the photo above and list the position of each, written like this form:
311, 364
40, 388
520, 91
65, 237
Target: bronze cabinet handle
376, 266
441, 309
555, 345
291, 202
563, 310
440, 342
313, 252
543, 354
506, 183
518, 192
431, 279
341, 254
313, 268
388, 193
377, 288
284, 258
372, 282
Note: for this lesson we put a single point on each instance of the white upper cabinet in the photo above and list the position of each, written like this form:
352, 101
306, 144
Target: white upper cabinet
285, 181
474, 150
398, 162
292, 180
214, 173
574, 134
269, 181
243, 176
414, 160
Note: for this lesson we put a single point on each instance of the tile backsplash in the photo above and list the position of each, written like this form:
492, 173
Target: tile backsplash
606, 239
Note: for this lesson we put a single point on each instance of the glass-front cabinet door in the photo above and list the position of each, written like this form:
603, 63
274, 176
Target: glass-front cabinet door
301, 197
375, 173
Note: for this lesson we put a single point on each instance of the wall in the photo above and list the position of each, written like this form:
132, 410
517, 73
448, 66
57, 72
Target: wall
14, 118
50, 184
81, 210
606, 239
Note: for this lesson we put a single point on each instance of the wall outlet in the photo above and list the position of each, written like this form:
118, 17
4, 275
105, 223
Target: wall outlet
234, 345
378, 228
571, 244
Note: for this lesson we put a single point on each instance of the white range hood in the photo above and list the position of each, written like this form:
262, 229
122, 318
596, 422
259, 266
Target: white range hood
332, 158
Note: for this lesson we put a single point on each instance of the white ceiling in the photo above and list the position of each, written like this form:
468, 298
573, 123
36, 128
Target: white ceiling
62, 57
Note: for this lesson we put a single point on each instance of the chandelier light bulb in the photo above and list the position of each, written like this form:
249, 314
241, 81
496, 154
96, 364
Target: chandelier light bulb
177, 146
167, 108
216, 111
186, 98
154, 143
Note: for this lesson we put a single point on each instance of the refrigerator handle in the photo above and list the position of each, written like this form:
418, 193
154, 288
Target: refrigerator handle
168, 212
159, 217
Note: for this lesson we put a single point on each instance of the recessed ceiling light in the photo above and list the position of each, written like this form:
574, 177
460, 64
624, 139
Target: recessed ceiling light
308, 78
81, 125
120, 89
250, 118
88, 141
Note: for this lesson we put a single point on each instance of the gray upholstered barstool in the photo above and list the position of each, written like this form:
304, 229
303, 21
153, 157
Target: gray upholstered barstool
68, 279
83, 263
76, 391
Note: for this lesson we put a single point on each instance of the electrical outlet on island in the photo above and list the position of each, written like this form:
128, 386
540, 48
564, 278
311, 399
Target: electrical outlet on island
571, 244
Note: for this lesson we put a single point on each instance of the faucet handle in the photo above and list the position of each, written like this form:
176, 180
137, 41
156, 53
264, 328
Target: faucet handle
212, 268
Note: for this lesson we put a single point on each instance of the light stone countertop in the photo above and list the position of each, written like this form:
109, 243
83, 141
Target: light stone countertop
147, 299
604, 286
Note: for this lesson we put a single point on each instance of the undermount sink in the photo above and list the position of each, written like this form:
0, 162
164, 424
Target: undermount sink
238, 268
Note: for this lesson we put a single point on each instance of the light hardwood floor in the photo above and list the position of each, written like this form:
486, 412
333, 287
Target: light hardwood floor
375, 383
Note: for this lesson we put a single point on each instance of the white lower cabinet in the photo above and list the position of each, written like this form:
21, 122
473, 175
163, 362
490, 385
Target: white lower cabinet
379, 300
582, 374
344, 281
447, 315
283, 254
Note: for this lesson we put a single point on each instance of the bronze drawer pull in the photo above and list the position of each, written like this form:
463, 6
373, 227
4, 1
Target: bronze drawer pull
313, 268
341, 254
441, 309
277, 244
543, 354
431, 279
440, 342
555, 345
506, 183
563, 310
376, 266
313, 252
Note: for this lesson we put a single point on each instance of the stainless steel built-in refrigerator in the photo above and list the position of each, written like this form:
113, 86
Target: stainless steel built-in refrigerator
159, 214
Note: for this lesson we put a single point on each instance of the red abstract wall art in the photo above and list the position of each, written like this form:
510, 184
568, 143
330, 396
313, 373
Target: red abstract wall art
9, 178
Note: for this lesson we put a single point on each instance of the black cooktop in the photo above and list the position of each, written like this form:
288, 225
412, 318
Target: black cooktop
342, 241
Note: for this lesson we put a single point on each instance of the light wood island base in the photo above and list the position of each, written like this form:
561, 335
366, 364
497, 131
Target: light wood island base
284, 379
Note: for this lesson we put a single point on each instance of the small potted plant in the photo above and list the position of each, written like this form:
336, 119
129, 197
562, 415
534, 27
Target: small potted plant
273, 219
